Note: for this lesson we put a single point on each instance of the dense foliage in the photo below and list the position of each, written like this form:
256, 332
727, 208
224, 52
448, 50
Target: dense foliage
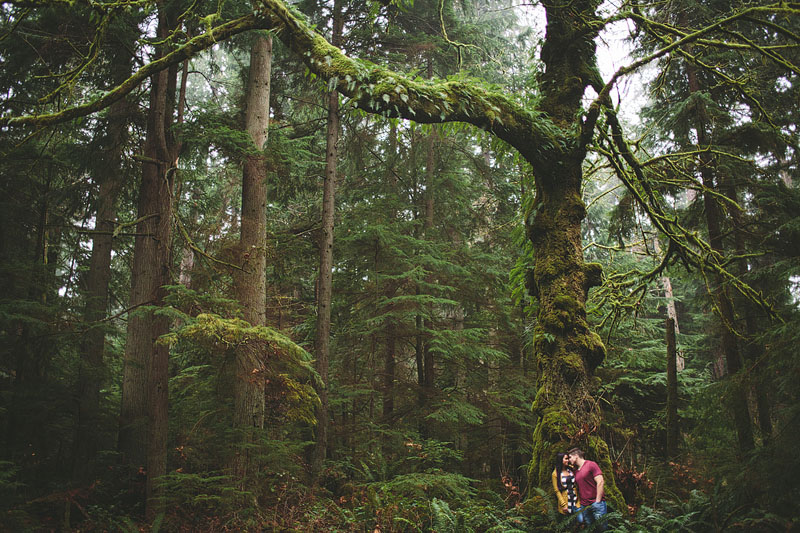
442, 344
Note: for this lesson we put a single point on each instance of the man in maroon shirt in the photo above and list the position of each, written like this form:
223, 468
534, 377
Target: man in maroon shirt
589, 479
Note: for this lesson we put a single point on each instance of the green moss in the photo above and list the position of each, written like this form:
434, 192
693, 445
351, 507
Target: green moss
593, 274
572, 366
566, 303
549, 438
554, 320
539, 402
592, 348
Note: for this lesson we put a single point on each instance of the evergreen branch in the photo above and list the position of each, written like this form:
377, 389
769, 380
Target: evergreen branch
91, 56
679, 32
191, 244
740, 86
775, 27
766, 52
601, 195
17, 22
183, 52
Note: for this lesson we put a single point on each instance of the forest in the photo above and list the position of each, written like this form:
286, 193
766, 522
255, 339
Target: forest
369, 265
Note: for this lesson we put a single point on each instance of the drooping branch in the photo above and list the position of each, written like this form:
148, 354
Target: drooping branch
683, 37
688, 245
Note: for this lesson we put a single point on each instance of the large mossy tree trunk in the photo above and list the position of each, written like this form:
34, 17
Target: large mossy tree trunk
567, 351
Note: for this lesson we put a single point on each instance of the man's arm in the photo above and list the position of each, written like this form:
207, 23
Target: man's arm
600, 487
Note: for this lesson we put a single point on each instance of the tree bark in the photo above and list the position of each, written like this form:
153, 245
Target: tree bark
567, 351
672, 312
427, 227
324, 294
143, 413
250, 283
751, 348
390, 328
673, 430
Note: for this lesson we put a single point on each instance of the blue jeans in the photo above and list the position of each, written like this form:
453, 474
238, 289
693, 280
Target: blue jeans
593, 513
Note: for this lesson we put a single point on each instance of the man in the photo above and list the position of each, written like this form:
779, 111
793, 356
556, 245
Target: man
589, 479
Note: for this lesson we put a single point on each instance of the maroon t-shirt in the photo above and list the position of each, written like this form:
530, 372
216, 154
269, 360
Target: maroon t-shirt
587, 486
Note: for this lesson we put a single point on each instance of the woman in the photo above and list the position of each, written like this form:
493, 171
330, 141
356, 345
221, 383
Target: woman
564, 485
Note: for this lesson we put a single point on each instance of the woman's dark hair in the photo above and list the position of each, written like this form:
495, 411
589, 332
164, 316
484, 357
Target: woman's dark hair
559, 469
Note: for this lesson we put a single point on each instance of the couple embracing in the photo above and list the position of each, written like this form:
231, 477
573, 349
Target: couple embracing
579, 487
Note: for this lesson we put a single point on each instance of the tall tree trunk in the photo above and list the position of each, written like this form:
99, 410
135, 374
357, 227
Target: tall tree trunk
722, 301
143, 413
324, 293
250, 283
672, 314
91, 370
390, 325
672, 391
427, 227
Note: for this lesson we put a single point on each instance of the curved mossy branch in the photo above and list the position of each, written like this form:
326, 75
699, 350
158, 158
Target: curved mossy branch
183, 52
378, 90
692, 249
685, 37
768, 51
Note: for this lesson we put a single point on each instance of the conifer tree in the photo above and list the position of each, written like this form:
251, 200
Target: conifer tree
143, 413
250, 277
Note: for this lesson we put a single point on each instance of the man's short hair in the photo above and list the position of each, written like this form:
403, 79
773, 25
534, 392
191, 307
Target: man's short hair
576, 451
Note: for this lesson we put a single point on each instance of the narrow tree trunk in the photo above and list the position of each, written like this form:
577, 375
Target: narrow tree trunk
324, 295
672, 391
430, 198
752, 349
250, 283
738, 399
91, 370
390, 329
672, 312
